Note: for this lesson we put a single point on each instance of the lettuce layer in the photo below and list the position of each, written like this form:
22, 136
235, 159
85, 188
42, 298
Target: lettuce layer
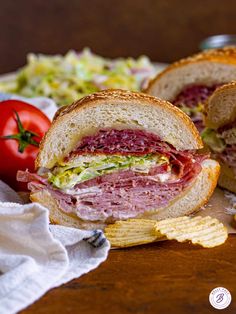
213, 140
83, 168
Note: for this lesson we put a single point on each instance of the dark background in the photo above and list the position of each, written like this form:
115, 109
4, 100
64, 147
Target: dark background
163, 30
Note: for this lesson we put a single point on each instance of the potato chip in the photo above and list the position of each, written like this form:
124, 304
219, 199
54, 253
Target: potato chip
205, 231
132, 232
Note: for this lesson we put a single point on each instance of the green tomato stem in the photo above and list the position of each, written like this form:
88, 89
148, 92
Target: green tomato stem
24, 137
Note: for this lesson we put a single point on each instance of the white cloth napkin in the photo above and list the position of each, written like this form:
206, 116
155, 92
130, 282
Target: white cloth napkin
47, 105
36, 256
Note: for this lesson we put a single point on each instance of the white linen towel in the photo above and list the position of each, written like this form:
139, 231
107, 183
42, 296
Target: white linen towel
47, 105
36, 256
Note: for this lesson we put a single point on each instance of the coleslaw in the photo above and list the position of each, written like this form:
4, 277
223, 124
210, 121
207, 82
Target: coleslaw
70, 77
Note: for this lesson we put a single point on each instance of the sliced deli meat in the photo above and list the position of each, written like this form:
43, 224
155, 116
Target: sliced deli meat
192, 100
125, 142
115, 155
189, 83
149, 174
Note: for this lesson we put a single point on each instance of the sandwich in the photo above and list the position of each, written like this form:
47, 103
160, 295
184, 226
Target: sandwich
189, 82
115, 155
220, 134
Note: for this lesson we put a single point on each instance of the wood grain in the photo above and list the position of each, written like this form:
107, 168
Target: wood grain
166, 277
165, 30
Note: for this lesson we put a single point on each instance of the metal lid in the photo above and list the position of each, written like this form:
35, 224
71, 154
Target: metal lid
218, 41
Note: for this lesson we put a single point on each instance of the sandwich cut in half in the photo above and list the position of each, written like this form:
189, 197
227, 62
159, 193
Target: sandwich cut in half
115, 155
188, 83
220, 134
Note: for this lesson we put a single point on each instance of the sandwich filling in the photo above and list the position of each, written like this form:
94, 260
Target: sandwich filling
192, 100
117, 174
222, 143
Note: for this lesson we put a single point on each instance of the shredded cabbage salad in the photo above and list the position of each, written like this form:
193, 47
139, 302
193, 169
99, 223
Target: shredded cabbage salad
70, 77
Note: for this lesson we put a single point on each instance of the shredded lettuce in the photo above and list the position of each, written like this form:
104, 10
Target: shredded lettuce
192, 111
67, 175
70, 77
213, 140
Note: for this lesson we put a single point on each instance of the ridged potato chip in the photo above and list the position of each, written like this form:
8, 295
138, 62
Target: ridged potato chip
205, 231
132, 232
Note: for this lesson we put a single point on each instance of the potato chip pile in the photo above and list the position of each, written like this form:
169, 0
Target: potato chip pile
205, 231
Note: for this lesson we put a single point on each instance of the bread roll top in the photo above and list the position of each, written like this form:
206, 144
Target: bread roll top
214, 66
115, 109
221, 106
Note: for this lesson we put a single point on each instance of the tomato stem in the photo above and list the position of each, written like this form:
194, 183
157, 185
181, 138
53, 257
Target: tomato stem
19, 124
24, 137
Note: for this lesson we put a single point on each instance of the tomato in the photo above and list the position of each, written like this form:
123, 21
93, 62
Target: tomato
22, 126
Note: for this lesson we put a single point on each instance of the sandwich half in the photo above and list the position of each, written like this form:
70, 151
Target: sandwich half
189, 82
115, 155
220, 134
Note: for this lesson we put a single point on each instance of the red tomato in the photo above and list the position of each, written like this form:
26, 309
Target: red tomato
22, 127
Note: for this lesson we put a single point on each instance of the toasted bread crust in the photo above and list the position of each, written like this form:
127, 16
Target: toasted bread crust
226, 55
221, 106
225, 87
221, 110
227, 179
115, 95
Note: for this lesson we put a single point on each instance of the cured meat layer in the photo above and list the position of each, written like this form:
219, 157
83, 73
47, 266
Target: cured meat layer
124, 142
125, 193
192, 99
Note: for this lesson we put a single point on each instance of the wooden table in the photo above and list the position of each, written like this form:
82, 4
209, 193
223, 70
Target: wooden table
167, 277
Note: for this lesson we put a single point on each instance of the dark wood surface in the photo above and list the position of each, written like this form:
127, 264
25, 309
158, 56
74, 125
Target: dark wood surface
167, 277
165, 30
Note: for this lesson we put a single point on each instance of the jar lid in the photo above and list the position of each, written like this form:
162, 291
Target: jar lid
218, 41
